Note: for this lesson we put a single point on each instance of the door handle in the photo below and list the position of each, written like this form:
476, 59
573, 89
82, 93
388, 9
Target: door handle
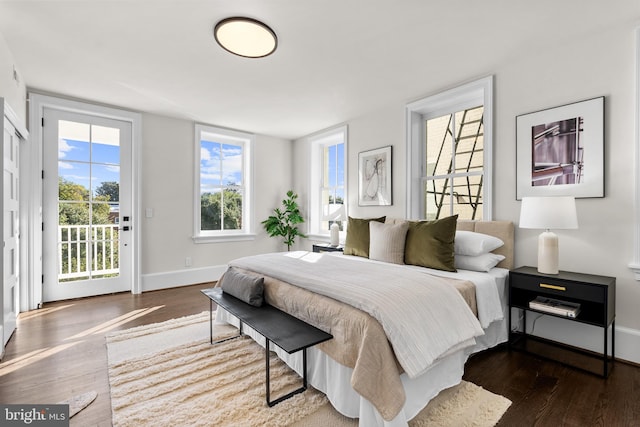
125, 228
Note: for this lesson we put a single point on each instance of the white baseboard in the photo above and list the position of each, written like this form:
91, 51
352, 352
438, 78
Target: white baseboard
177, 278
627, 344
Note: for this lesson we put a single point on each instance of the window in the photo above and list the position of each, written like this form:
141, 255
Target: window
454, 165
223, 185
328, 177
449, 147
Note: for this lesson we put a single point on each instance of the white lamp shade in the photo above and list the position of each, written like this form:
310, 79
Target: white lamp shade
548, 213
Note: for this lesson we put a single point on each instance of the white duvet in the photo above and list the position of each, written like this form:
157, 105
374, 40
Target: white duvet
424, 317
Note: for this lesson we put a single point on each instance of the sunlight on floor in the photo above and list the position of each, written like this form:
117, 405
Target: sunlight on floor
32, 357
40, 354
41, 312
114, 323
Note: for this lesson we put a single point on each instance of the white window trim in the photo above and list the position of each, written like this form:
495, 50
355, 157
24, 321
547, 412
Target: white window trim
247, 233
316, 143
37, 104
417, 112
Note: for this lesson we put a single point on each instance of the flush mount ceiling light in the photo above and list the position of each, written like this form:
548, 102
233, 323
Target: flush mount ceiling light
245, 37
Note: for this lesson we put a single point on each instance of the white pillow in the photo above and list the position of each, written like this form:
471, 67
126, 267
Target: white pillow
474, 244
386, 241
484, 262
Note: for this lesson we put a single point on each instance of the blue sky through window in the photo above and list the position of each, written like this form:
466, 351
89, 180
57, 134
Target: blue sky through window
335, 169
90, 169
220, 165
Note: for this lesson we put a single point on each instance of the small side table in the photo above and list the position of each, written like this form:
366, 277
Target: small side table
325, 247
595, 294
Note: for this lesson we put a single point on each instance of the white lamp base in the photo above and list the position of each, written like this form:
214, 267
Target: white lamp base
335, 235
548, 253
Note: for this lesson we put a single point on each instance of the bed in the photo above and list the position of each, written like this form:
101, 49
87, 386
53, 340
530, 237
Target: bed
381, 367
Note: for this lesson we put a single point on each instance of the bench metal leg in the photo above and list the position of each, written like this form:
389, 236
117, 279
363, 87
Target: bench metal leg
211, 328
270, 402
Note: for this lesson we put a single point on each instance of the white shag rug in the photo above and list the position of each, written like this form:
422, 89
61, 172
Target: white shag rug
169, 374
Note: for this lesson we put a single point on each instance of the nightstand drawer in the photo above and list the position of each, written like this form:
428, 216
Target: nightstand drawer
560, 288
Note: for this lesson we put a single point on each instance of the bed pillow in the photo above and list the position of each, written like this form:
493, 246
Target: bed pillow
386, 241
245, 287
484, 262
357, 241
430, 243
474, 244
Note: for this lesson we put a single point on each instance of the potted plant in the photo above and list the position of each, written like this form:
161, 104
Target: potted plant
284, 221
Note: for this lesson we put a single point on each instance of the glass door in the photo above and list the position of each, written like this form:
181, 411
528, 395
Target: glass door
86, 205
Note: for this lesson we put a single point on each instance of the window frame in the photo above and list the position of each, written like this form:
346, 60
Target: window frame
317, 143
246, 141
473, 94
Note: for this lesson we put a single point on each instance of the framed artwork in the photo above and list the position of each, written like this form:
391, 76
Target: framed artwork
374, 177
560, 151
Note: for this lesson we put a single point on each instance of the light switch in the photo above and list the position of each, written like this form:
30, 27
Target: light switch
148, 212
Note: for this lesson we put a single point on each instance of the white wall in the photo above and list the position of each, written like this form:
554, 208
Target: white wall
167, 188
598, 64
14, 92
533, 78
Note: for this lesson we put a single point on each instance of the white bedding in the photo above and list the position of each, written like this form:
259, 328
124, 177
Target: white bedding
424, 318
334, 379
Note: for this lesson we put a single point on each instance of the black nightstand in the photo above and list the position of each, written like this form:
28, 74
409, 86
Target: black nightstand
325, 247
596, 296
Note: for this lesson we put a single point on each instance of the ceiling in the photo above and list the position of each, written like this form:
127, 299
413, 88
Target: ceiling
336, 59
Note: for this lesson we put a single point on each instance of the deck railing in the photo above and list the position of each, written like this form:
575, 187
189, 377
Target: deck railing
84, 246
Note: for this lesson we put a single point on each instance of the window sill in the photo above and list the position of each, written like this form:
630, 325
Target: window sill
223, 238
318, 237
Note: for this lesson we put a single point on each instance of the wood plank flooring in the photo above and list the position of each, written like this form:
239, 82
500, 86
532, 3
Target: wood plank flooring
59, 351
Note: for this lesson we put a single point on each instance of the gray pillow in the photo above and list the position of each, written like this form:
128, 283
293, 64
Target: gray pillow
246, 288
386, 241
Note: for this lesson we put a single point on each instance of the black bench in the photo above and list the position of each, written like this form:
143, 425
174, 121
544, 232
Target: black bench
287, 332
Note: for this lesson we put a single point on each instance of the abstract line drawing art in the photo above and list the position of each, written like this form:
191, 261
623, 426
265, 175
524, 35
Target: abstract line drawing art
374, 177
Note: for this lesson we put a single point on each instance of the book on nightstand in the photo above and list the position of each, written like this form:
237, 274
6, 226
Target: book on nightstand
555, 306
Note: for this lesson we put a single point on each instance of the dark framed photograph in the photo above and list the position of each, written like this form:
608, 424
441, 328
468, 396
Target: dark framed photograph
560, 151
374, 177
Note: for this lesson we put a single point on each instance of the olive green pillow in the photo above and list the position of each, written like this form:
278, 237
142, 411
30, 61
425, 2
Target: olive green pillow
357, 242
431, 243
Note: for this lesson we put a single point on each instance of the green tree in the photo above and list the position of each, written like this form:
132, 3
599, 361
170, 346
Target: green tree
73, 209
68, 190
110, 190
210, 210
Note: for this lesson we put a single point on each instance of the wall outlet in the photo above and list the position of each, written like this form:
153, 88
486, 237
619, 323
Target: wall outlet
187, 261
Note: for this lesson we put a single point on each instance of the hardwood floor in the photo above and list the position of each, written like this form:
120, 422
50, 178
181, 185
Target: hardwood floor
59, 351
546, 393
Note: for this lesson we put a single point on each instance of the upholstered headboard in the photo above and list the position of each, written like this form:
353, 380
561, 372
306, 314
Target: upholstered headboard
503, 230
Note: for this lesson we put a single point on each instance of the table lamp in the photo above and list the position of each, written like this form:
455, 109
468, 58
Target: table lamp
334, 212
548, 213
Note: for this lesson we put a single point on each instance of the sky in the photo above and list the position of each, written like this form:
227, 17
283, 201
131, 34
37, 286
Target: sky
220, 165
88, 164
